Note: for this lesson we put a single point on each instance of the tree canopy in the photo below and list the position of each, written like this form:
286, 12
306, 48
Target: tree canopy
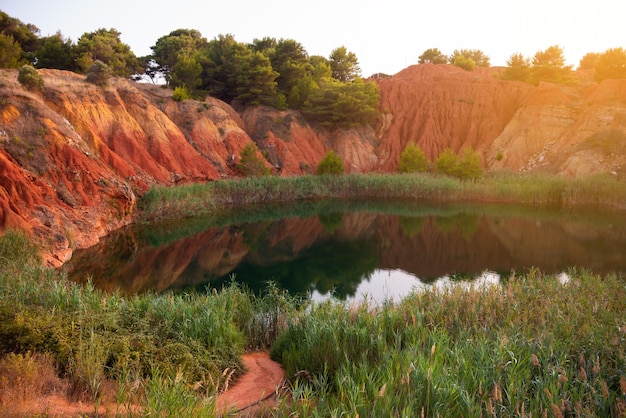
106, 46
610, 65
549, 65
344, 65
413, 160
465, 57
433, 56
518, 68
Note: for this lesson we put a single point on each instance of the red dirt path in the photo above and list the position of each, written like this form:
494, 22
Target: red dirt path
263, 377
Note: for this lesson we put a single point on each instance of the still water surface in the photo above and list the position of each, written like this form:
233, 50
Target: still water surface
353, 250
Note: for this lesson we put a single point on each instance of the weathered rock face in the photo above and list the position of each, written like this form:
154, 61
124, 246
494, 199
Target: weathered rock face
74, 157
440, 106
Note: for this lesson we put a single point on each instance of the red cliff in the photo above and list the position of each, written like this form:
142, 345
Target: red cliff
74, 157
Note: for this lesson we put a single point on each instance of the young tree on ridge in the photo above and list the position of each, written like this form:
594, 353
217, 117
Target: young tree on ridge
432, 56
610, 65
344, 65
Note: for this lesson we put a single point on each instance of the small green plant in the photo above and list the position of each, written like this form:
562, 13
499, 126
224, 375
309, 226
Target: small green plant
467, 167
330, 164
499, 156
251, 164
30, 78
181, 93
99, 74
413, 160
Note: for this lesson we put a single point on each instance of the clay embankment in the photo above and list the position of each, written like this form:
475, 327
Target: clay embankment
74, 157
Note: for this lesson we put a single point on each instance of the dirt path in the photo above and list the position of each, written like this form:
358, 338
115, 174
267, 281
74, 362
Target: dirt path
262, 378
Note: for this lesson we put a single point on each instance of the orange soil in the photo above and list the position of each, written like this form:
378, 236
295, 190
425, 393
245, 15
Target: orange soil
262, 378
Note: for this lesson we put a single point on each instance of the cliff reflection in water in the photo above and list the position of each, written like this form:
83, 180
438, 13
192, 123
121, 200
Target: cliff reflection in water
338, 250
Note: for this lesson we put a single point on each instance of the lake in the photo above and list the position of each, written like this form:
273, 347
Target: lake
353, 250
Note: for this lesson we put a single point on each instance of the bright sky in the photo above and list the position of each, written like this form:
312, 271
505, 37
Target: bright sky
387, 36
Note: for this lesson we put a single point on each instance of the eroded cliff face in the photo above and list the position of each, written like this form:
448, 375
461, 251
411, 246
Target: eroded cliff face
74, 157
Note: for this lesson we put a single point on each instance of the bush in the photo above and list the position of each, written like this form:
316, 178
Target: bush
251, 163
30, 78
413, 160
181, 93
447, 163
330, 164
466, 167
99, 74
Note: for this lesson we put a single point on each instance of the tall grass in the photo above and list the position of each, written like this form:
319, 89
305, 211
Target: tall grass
530, 347
162, 350
197, 199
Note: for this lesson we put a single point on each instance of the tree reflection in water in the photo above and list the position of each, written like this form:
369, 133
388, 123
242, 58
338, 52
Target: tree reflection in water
350, 251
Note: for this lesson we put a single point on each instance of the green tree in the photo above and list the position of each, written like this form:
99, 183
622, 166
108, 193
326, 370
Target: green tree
330, 164
447, 163
466, 56
234, 72
610, 65
10, 52
55, 52
169, 48
256, 83
321, 68
549, 65
469, 165
30, 78
413, 159
432, 56
106, 46
588, 61
99, 74
344, 65
518, 68
343, 105
463, 62
186, 72
25, 35
291, 61
251, 163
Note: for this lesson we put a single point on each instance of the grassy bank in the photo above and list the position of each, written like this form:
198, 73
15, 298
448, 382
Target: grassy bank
532, 346
162, 354
198, 199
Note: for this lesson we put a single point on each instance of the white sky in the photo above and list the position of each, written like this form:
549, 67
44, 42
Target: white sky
387, 36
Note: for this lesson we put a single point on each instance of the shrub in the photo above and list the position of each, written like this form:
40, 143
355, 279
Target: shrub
466, 167
30, 78
470, 166
330, 164
181, 93
251, 163
447, 163
413, 159
99, 73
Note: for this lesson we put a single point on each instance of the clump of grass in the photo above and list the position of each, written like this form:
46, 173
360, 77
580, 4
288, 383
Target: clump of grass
532, 346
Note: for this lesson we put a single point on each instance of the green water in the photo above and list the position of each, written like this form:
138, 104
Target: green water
353, 249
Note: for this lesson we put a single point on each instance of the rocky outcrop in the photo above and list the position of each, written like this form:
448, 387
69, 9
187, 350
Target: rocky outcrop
74, 157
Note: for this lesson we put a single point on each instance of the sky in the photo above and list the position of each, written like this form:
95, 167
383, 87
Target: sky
386, 36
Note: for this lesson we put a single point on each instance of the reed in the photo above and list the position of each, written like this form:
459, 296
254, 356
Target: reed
529, 347
198, 199
179, 349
